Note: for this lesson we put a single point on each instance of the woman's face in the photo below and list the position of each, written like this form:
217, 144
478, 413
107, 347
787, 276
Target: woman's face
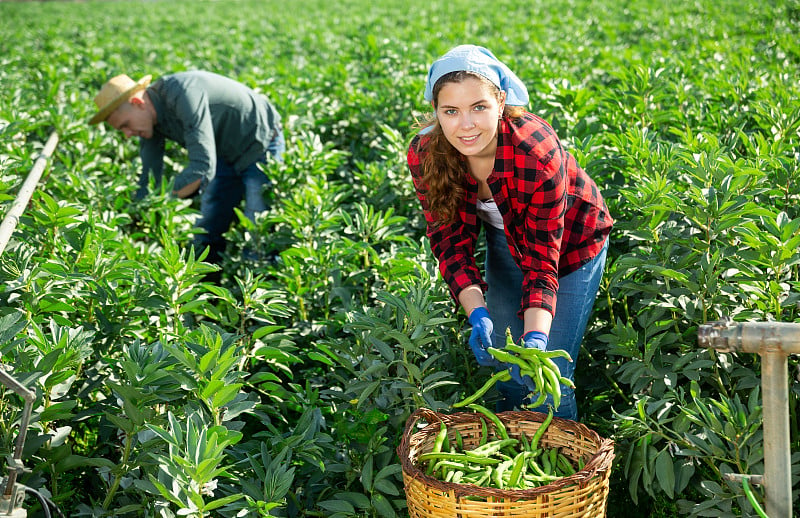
467, 113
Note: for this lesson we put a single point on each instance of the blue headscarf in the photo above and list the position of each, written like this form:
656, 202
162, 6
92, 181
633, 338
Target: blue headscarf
471, 58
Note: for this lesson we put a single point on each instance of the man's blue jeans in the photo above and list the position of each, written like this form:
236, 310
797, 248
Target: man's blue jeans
574, 303
225, 191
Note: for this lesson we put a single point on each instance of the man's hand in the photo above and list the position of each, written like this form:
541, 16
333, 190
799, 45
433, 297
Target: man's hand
188, 190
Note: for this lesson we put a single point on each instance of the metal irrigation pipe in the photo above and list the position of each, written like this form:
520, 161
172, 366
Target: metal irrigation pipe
774, 341
11, 495
15, 468
25, 192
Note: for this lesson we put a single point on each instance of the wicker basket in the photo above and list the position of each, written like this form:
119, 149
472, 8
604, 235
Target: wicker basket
583, 494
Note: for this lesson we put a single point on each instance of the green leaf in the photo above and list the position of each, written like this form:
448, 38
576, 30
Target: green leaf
386, 487
79, 461
313, 355
126, 425
337, 506
133, 412
266, 330
214, 504
383, 506
665, 472
366, 473
226, 394
61, 410
359, 500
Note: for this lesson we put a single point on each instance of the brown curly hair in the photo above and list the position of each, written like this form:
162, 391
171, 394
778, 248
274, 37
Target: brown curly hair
443, 167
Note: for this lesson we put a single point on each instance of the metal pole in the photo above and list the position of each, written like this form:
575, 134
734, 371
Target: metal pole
25, 192
16, 460
777, 455
774, 341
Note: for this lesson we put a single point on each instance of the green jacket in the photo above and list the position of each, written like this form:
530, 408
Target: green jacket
213, 118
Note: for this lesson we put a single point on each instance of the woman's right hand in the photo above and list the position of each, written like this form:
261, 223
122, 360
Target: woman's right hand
481, 337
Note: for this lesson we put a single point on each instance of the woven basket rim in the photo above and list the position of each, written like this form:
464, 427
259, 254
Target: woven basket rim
598, 465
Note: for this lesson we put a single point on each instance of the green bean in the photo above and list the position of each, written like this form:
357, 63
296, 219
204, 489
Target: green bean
566, 381
437, 444
446, 441
502, 375
499, 471
473, 476
493, 447
464, 457
540, 400
538, 380
540, 431
551, 366
515, 348
553, 458
503, 356
557, 353
555, 387
566, 466
547, 467
517, 469
535, 466
486, 475
501, 428
524, 441
471, 467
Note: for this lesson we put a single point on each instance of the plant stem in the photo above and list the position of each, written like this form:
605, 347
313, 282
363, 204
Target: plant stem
118, 477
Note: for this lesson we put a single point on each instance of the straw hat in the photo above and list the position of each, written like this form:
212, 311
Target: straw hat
115, 92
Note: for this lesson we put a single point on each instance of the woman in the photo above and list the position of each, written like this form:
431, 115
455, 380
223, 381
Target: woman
482, 161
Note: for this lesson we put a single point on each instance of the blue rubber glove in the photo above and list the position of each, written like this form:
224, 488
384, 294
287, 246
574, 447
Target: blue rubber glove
532, 340
535, 340
481, 337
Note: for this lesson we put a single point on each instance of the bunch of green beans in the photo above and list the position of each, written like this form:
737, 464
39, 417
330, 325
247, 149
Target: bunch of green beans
503, 463
541, 368
539, 365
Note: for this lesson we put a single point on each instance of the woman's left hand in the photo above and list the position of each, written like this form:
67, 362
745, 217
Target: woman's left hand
531, 340
535, 340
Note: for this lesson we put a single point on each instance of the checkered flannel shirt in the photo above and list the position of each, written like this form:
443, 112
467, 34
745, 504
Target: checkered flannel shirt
554, 215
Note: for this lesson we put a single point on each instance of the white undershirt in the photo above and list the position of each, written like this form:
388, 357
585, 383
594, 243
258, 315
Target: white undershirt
488, 212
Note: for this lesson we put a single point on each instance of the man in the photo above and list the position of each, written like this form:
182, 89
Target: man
227, 129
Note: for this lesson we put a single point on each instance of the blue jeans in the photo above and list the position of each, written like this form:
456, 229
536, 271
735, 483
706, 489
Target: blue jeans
225, 192
574, 303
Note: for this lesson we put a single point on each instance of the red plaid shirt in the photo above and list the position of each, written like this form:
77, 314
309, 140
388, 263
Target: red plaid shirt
554, 215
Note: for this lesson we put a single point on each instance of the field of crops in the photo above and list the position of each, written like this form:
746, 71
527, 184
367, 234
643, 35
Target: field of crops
284, 391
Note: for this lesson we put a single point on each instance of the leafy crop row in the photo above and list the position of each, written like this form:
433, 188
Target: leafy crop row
285, 389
